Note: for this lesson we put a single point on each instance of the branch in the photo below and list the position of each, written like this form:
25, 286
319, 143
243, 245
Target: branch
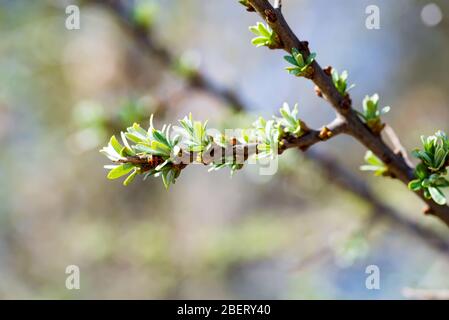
346, 180
396, 164
335, 173
399, 148
312, 137
152, 147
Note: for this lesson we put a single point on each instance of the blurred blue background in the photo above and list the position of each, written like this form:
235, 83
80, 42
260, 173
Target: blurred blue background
290, 236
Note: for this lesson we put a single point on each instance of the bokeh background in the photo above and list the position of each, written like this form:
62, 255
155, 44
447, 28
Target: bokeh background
294, 235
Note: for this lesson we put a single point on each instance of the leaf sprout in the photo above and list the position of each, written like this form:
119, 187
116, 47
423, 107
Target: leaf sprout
373, 163
430, 173
340, 82
265, 36
371, 113
301, 67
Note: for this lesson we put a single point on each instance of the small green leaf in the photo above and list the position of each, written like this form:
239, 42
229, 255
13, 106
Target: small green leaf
130, 178
160, 148
437, 196
120, 171
371, 158
311, 58
115, 144
385, 110
291, 60
164, 179
145, 149
259, 41
415, 185
134, 138
126, 152
254, 29
442, 183
160, 137
159, 167
299, 59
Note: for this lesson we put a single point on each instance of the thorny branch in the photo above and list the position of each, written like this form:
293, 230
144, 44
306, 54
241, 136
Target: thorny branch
335, 172
241, 152
397, 166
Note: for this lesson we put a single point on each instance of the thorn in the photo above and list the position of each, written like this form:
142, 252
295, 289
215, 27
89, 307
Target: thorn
389, 174
304, 127
250, 8
328, 71
428, 210
318, 92
270, 15
305, 46
346, 103
325, 133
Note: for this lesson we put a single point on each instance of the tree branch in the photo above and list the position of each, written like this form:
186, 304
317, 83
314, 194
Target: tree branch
330, 167
346, 180
242, 152
396, 164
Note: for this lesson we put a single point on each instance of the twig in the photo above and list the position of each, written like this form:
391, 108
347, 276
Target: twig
243, 151
346, 180
399, 148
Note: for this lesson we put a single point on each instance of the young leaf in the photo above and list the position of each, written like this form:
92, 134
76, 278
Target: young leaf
115, 144
120, 171
437, 196
415, 185
130, 178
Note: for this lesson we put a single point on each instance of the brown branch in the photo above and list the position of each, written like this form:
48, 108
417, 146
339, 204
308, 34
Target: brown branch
312, 137
241, 152
399, 148
346, 180
396, 164
330, 167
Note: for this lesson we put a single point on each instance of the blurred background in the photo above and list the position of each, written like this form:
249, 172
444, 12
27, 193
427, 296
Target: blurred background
294, 235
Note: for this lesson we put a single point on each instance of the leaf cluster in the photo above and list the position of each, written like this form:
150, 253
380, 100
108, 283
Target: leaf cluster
430, 173
158, 152
371, 113
341, 82
301, 67
265, 36
374, 164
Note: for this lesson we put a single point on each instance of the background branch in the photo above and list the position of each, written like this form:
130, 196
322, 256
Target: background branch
147, 41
